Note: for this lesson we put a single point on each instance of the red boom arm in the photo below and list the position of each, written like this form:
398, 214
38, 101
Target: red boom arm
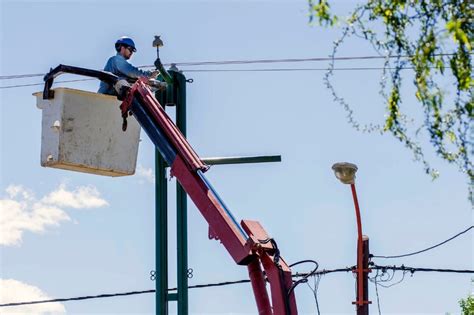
255, 249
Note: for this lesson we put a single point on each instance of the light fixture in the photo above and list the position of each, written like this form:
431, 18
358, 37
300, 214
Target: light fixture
345, 172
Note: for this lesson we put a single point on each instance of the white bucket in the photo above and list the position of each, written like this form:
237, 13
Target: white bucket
82, 131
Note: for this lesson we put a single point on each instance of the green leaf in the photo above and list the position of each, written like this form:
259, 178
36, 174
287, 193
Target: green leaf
451, 136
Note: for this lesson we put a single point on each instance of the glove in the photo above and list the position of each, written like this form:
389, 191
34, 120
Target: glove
162, 86
157, 84
154, 74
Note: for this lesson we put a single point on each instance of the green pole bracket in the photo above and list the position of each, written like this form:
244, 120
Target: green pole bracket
172, 297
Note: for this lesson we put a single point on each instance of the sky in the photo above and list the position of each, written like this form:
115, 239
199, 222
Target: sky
66, 234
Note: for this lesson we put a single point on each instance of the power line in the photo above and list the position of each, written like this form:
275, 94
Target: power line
417, 269
36, 84
426, 249
323, 272
317, 280
198, 286
225, 70
79, 298
21, 76
240, 62
377, 292
288, 60
378, 278
291, 69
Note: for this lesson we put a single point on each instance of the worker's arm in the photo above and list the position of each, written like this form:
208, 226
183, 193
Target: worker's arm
130, 71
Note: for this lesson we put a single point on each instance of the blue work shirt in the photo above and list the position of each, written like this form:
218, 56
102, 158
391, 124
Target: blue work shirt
119, 66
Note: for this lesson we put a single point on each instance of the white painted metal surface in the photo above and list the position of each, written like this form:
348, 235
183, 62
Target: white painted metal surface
82, 131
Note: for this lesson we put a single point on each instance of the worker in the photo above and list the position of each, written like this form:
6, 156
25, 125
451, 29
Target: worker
119, 65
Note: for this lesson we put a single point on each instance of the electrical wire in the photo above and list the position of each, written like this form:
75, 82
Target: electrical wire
386, 276
324, 271
238, 62
418, 269
305, 278
287, 60
221, 70
37, 84
426, 249
317, 280
377, 292
79, 298
21, 76
198, 286
288, 69
391, 278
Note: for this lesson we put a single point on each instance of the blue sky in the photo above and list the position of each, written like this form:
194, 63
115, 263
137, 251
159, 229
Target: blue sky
84, 234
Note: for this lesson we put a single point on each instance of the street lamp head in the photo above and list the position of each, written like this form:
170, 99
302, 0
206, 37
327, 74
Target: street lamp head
345, 172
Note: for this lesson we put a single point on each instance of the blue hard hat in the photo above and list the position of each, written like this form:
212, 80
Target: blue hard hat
125, 41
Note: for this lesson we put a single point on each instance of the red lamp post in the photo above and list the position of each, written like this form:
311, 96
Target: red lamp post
345, 172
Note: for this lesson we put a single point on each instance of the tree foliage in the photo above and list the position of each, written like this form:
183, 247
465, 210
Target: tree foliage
434, 39
467, 306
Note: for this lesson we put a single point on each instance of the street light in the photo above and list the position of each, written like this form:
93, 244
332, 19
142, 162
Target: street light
345, 172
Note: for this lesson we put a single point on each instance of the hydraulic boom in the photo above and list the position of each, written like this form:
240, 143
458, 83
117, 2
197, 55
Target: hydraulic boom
247, 242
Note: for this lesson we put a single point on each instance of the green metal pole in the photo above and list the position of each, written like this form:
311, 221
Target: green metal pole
181, 200
161, 235
161, 228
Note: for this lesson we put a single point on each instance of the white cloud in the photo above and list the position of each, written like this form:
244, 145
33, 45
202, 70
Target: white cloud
81, 197
15, 190
20, 211
146, 173
12, 291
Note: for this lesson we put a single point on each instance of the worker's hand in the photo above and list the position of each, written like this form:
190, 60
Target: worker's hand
154, 74
157, 84
161, 85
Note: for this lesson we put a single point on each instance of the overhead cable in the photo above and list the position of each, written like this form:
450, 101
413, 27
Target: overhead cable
239, 62
291, 69
304, 279
317, 273
287, 60
418, 269
220, 70
37, 84
21, 76
79, 298
377, 292
199, 286
426, 249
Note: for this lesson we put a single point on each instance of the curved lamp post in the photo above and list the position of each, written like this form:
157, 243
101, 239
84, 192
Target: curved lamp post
345, 172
